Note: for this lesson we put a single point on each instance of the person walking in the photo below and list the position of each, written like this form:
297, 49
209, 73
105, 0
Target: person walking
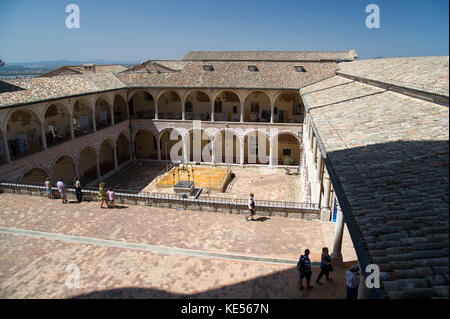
62, 190
304, 269
251, 207
111, 197
102, 194
352, 279
78, 191
325, 266
48, 188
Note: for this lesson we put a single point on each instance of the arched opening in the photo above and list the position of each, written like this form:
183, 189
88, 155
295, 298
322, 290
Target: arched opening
171, 144
227, 107
227, 147
64, 168
257, 107
102, 114
288, 108
106, 157
169, 105
145, 145
56, 125
3, 159
23, 134
198, 106
141, 105
119, 109
200, 147
87, 165
256, 148
82, 118
123, 149
34, 176
288, 152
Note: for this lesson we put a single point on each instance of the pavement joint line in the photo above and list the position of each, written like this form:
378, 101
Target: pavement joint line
146, 247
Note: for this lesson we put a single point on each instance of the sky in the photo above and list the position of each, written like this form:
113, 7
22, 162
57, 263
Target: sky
137, 30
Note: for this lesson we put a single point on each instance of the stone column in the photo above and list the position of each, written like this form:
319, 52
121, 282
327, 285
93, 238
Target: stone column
363, 291
183, 111
338, 233
242, 111
319, 169
111, 110
77, 173
185, 150
325, 210
272, 109
158, 146
271, 152
241, 152
212, 111
99, 175
116, 163
7, 156
72, 134
43, 139
213, 151
156, 109
94, 124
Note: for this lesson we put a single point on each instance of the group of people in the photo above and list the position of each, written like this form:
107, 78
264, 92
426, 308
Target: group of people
103, 196
305, 272
62, 189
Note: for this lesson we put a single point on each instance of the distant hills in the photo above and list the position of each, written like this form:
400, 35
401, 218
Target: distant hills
31, 69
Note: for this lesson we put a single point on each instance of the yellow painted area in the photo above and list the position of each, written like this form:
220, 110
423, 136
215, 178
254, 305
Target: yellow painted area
206, 177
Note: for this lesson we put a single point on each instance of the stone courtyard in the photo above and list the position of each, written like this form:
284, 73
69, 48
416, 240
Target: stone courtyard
266, 183
147, 252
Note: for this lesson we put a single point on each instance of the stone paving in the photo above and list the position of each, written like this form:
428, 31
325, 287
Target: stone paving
266, 183
36, 268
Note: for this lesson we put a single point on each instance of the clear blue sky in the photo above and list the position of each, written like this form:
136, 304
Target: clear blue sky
134, 30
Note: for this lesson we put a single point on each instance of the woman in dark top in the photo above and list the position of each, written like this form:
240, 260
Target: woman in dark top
325, 266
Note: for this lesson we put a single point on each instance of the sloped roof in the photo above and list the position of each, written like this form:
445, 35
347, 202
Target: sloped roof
33, 90
271, 75
428, 74
269, 56
389, 154
80, 69
155, 67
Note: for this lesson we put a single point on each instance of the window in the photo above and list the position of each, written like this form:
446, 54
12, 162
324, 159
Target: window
253, 68
188, 107
254, 107
286, 152
234, 109
217, 106
297, 109
299, 68
208, 68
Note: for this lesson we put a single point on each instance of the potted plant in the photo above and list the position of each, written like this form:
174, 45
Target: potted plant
287, 161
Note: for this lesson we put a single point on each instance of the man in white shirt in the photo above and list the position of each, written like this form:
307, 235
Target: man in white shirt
352, 279
251, 207
62, 190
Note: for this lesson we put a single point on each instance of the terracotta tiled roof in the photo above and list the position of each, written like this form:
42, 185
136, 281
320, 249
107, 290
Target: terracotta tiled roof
269, 56
270, 75
46, 88
80, 69
390, 155
155, 67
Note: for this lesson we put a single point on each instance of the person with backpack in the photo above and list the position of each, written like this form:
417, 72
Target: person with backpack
304, 269
78, 191
62, 190
325, 266
48, 188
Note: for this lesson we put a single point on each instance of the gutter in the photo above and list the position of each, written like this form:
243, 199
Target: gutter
352, 225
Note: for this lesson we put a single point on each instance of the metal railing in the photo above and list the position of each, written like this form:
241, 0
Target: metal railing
18, 188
